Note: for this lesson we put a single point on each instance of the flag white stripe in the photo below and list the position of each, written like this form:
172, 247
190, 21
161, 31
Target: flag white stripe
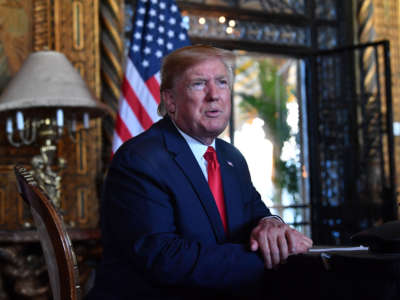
157, 76
129, 118
142, 92
117, 142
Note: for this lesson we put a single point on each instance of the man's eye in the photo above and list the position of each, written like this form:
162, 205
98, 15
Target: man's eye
198, 85
222, 83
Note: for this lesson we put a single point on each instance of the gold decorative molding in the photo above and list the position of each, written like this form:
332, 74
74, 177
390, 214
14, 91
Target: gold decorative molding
78, 27
81, 153
42, 35
2, 205
366, 33
112, 47
81, 68
82, 196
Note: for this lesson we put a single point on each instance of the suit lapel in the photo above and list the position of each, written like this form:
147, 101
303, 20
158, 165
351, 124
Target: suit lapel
232, 192
184, 157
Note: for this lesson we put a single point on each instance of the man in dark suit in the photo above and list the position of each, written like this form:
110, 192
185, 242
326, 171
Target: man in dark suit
170, 231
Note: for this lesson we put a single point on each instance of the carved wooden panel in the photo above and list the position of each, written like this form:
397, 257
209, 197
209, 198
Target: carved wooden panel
76, 34
72, 28
13, 212
15, 36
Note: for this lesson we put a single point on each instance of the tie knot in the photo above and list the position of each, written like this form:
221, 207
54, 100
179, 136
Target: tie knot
210, 155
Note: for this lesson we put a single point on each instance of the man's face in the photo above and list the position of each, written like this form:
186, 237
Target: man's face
199, 103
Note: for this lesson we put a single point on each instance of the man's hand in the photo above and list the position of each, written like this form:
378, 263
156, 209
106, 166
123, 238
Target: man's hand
276, 241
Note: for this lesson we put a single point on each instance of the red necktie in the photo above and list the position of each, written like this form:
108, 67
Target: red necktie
215, 182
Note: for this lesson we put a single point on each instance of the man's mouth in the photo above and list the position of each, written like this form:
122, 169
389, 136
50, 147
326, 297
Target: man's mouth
213, 113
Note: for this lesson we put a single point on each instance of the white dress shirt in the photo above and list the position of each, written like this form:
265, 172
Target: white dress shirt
198, 150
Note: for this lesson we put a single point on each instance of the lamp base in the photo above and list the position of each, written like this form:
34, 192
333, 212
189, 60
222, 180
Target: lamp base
48, 180
47, 167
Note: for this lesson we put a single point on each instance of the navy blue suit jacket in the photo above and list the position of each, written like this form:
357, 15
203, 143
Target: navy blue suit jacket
162, 233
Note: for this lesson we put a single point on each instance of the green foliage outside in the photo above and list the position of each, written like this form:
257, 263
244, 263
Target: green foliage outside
271, 107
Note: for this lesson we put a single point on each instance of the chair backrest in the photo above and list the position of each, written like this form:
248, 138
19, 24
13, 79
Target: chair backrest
56, 244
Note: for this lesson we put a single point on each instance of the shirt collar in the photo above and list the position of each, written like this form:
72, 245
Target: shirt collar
196, 146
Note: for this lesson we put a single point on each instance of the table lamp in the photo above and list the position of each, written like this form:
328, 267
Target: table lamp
46, 98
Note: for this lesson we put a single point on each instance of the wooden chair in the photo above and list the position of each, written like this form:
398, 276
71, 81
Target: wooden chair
56, 244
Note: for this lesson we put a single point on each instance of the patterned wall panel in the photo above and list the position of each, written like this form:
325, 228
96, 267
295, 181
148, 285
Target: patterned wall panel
16, 42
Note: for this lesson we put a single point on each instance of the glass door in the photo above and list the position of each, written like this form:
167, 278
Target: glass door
268, 127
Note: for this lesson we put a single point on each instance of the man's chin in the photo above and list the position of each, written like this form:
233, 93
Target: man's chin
215, 126
214, 133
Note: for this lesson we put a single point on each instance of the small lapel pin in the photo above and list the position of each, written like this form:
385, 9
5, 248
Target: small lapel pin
229, 163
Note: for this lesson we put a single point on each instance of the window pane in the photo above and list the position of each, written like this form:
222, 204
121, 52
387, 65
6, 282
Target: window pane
267, 130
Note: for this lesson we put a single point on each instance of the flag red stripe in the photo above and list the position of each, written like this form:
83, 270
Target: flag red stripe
121, 129
154, 88
136, 105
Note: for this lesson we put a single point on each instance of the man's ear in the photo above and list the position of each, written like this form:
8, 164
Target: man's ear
169, 101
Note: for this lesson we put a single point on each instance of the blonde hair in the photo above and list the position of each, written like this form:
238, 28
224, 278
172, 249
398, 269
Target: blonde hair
177, 62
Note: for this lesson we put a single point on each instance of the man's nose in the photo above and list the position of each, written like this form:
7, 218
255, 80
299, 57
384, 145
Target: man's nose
212, 91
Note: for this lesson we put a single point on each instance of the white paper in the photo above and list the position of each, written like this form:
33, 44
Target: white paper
344, 248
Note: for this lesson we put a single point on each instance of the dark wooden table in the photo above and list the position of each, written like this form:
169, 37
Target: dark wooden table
340, 275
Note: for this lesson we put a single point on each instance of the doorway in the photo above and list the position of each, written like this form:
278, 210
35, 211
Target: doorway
269, 127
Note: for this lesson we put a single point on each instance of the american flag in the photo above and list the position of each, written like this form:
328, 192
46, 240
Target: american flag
158, 29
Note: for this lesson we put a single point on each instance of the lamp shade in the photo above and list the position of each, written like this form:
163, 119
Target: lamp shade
45, 82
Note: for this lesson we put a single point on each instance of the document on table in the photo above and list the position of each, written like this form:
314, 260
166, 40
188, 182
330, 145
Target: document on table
318, 249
